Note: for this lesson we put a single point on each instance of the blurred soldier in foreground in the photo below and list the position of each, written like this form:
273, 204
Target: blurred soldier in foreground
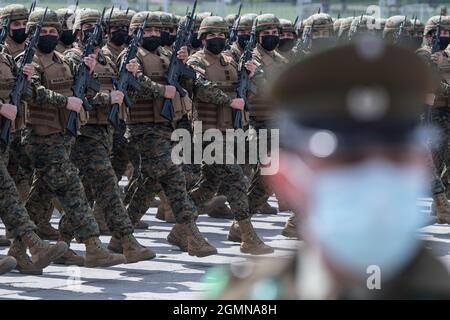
345, 144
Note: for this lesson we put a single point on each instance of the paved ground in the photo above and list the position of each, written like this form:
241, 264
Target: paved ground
172, 274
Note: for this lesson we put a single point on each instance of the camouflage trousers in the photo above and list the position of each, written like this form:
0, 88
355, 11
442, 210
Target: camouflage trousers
440, 150
142, 193
57, 176
153, 142
230, 179
12, 212
19, 165
259, 192
91, 154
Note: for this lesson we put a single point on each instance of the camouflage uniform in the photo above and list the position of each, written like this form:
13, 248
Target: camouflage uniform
13, 214
151, 134
19, 165
268, 65
47, 145
214, 91
93, 146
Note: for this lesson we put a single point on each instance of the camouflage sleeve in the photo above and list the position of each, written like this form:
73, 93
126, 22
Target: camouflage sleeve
203, 89
41, 96
97, 99
149, 88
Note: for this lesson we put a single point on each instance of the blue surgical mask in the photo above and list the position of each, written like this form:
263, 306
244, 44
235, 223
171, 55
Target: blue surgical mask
367, 215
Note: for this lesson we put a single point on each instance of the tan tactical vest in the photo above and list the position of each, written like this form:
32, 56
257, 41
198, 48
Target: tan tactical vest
224, 75
104, 73
6, 85
57, 77
261, 106
155, 66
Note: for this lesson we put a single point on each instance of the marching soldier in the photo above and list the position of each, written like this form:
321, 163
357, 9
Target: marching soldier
215, 100
13, 214
48, 144
19, 165
269, 62
151, 134
93, 146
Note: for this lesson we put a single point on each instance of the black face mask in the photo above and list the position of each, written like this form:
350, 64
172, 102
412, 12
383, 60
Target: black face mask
19, 35
196, 43
165, 38
270, 42
215, 45
119, 37
445, 41
47, 44
67, 37
286, 45
242, 40
151, 43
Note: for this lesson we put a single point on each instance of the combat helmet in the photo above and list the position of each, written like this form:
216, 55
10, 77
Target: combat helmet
212, 24
267, 21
